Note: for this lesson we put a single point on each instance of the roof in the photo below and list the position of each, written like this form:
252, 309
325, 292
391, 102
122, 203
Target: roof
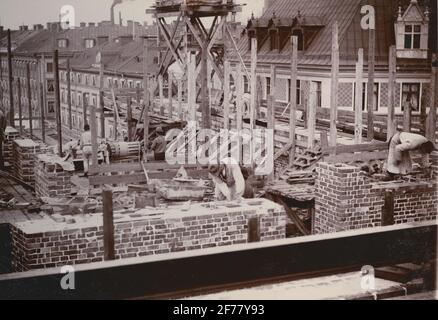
323, 15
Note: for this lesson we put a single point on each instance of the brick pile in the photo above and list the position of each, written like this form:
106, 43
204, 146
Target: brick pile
347, 199
51, 178
11, 134
25, 153
47, 244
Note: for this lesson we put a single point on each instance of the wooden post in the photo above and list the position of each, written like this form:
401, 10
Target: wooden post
253, 105
293, 99
29, 99
93, 128
85, 107
108, 225
180, 100
391, 129
58, 102
70, 117
11, 83
239, 108
334, 86
42, 79
101, 100
226, 104
271, 122
19, 105
371, 76
129, 116
205, 101
170, 93
191, 90
146, 97
311, 117
358, 126
432, 118
407, 113
161, 92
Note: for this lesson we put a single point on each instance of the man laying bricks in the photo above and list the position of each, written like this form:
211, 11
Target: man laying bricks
400, 147
228, 179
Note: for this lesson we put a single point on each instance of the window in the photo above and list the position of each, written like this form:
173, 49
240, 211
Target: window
50, 86
246, 84
299, 34
412, 36
49, 67
62, 43
79, 78
80, 100
90, 43
116, 83
411, 93
376, 95
93, 81
319, 94
268, 86
87, 80
51, 107
289, 81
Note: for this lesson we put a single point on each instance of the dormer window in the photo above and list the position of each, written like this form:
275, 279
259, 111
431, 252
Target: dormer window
299, 34
412, 32
274, 39
62, 43
90, 43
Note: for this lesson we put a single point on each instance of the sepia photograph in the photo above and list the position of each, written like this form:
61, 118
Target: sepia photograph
219, 156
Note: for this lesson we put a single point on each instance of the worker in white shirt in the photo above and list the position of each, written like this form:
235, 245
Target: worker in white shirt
86, 147
228, 179
400, 147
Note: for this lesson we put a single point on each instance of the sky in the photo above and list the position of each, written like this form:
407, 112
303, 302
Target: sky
14, 13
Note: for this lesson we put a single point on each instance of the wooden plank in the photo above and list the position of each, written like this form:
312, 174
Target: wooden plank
391, 95
271, 126
11, 82
101, 100
311, 116
293, 100
129, 167
129, 119
239, 109
19, 105
180, 100
161, 93
191, 90
407, 113
334, 85
366, 147
358, 123
43, 98
170, 94
146, 96
371, 80
69, 106
226, 104
364, 157
29, 100
108, 226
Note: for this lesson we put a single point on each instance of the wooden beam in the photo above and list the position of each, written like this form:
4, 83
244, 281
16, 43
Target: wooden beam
116, 117
242, 62
191, 83
334, 86
85, 108
271, 123
253, 102
29, 99
43, 97
371, 76
69, 106
130, 120
293, 100
226, 104
391, 126
19, 105
11, 83
108, 225
101, 100
407, 115
205, 101
239, 108
58, 102
366, 147
39, 93
311, 116
93, 129
180, 100
358, 123
170, 93
146, 97
161, 93
355, 157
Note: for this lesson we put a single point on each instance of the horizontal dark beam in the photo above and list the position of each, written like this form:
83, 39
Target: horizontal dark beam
222, 267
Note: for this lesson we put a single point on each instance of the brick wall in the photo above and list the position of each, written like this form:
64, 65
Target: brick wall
51, 179
346, 199
46, 244
10, 135
25, 153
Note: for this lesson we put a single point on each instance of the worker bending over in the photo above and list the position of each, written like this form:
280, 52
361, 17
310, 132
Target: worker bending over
228, 179
399, 157
86, 147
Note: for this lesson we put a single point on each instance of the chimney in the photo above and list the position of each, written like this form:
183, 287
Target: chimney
91, 24
82, 24
120, 18
24, 28
49, 26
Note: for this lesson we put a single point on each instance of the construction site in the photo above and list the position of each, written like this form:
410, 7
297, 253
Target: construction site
199, 158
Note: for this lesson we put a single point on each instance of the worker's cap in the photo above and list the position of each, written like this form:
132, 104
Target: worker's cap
214, 169
159, 130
